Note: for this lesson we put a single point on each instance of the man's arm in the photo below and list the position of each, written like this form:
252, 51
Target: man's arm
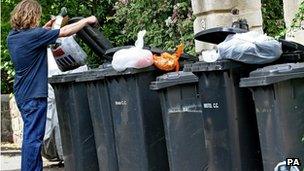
71, 29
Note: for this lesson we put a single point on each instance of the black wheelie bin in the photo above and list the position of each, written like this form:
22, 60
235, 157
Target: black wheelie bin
182, 117
127, 116
100, 110
75, 123
278, 93
229, 119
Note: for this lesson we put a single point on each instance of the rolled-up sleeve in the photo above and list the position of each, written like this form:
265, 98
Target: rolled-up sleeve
47, 37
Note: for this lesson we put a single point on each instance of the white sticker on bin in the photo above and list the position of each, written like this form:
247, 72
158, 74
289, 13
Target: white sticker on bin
211, 106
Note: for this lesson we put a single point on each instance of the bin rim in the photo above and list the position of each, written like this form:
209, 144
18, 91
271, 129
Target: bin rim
93, 76
219, 65
273, 74
173, 79
217, 35
129, 71
64, 78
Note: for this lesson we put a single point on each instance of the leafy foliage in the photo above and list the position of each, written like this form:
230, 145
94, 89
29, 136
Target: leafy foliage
297, 22
168, 23
273, 17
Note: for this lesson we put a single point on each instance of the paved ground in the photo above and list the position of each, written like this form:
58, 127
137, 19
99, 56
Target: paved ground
11, 160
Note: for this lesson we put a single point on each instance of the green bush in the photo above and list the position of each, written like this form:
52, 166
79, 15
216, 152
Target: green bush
273, 17
168, 23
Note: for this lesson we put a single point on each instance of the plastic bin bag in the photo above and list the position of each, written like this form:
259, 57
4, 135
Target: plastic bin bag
169, 62
68, 55
52, 147
134, 57
251, 48
209, 56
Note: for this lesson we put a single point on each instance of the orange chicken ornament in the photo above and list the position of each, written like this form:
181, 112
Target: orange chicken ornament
168, 62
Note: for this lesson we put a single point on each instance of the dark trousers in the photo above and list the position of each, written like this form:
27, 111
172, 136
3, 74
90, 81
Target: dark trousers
33, 112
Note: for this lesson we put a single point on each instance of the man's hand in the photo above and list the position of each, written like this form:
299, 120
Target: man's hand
91, 20
71, 29
49, 24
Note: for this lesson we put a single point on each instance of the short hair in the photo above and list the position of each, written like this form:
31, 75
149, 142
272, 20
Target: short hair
26, 15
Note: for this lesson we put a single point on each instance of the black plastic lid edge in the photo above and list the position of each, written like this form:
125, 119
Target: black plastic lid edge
158, 86
265, 81
90, 78
129, 71
61, 80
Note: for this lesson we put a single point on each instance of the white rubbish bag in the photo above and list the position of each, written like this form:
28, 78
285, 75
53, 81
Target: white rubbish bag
68, 55
134, 57
251, 48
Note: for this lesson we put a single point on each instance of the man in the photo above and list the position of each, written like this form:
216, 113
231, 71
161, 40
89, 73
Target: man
27, 44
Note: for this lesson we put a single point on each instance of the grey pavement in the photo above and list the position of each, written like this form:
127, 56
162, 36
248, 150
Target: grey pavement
11, 161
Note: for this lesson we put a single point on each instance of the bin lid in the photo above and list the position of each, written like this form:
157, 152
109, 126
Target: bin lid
64, 78
94, 75
217, 35
173, 79
289, 46
129, 71
273, 74
212, 66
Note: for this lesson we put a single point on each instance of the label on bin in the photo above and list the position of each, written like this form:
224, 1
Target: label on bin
121, 103
211, 105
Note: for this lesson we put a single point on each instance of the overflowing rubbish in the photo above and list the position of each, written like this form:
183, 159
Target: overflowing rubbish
251, 48
169, 62
134, 57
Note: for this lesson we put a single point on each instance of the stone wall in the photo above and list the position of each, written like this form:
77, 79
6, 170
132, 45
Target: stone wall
211, 13
290, 9
11, 121
17, 123
6, 120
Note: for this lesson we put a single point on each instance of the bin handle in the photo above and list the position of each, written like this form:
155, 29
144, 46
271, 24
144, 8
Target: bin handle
173, 75
282, 69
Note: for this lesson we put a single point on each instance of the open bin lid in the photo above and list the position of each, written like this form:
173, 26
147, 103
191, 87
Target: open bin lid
94, 39
289, 46
273, 74
217, 35
212, 66
173, 79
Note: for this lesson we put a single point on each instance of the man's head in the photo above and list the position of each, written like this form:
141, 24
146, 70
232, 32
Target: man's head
26, 15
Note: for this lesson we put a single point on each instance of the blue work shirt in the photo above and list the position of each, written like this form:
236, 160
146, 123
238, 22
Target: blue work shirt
28, 50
